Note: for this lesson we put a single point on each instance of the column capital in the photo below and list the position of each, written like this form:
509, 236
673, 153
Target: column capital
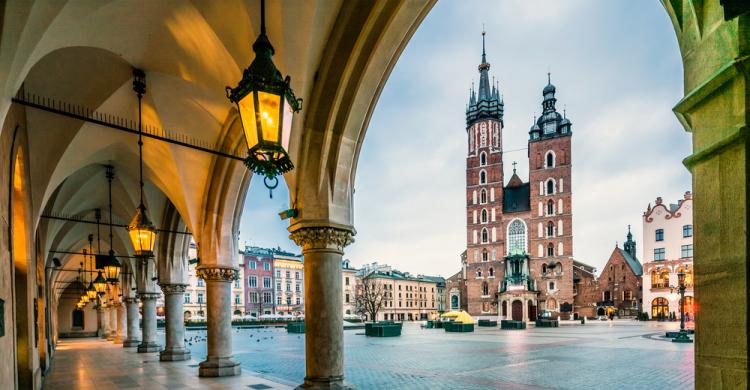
130, 300
217, 274
146, 296
323, 237
169, 288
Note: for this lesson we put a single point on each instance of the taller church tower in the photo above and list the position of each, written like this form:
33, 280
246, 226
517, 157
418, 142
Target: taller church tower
484, 191
551, 222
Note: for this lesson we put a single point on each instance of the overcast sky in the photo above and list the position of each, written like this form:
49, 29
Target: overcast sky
617, 69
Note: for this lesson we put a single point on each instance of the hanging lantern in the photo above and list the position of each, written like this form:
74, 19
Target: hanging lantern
142, 233
100, 284
85, 298
110, 265
91, 291
266, 104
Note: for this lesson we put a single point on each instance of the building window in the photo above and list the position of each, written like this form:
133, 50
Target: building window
484, 216
267, 297
266, 266
686, 251
484, 255
479, 273
251, 264
659, 308
346, 298
491, 271
236, 299
628, 295
296, 274
253, 297
253, 281
266, 282
200, 297
485, 289
551, 286
483, 159
346, 281
200, 282
289, 287
482, 177
278, 300
483, 196
550, 207
550, 229
299, 301
288, 274
544, 269
237, 283
659, 254
659, 234
288, 300
516, 237
485, 236
550, 163
550, 187
550, 250
187, 297
687, 231
278, 274
660, 279
278, 286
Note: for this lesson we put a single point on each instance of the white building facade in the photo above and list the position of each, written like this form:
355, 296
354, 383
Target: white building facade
668, 249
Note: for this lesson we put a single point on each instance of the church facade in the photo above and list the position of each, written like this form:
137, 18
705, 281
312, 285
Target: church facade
519, 243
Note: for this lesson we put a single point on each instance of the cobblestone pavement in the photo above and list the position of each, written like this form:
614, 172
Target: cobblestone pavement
599, 355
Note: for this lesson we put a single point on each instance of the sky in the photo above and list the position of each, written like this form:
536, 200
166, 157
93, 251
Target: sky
618, 73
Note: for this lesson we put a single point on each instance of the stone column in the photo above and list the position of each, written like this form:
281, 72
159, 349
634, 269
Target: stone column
112, 309
219, 360
323, 249
121, 331
105, 322
99, 322
174, 350
134, 337
148, 343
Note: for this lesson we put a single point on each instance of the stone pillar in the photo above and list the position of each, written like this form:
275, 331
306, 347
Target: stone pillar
121, 332
148, 343
133, 333
174, 350
323, 249
112, 309
99, 321
105, 322
219, 360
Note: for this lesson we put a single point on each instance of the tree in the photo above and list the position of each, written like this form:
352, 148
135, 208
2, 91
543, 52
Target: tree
368, 297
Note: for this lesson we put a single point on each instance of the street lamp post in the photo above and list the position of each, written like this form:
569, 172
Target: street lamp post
682, 335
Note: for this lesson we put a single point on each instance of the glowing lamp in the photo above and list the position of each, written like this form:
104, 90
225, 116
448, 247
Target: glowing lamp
142, 233
100, 284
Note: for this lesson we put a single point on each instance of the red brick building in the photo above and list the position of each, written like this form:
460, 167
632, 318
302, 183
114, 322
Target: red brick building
529, 219
619, 284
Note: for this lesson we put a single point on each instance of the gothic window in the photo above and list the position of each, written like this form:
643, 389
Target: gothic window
484, 216
479, 273
485, 256
492, 271
550, 229
471, 142
550, 187
496, 136
544, 269
485, 236
483, 196
550, 207
485, 289
550, 250
550, 160
483, 159
482, 177
483, 139
516, 237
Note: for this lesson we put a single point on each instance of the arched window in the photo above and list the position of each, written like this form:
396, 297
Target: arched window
550, 207
484, 216
492, 271
483, 159
550, 229
550, 187
516, 237
544, 269
485, 289
659, 308
550, 160
483, 136
485, 236
482, 177
558, 268
550, 250
485, 256
479, 272
483, 196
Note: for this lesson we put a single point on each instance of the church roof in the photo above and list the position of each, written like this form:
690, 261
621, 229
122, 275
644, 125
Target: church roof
633, 263
515, 181
516, 199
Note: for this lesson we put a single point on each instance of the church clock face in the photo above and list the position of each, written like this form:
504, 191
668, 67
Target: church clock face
549, 127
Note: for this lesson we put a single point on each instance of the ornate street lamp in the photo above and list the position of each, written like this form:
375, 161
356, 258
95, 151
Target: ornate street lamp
682, 335
100, 284
109, 263
141, 230
266, 104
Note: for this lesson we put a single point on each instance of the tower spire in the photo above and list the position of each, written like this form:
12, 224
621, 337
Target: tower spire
484, 55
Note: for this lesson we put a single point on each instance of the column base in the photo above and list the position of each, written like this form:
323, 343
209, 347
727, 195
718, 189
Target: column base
117, 340
174, 355
335, 383
131, 343
105, 336
111, 338
149, 347
214, 367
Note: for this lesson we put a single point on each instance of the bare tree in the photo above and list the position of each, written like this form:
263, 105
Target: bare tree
369, 296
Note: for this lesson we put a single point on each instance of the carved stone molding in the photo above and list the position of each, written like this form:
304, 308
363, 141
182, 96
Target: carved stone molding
323, 237
145, 296
173, 288
218, 274
130, 300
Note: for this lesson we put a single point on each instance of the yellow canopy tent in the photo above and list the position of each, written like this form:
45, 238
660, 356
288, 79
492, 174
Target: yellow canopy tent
459, 316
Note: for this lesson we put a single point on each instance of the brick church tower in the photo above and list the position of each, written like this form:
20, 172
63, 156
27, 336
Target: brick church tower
551, 222
484, 192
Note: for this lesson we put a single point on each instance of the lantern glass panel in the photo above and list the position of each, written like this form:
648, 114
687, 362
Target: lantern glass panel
270, 110
286, 125
246, 106
142, 239
112, 272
